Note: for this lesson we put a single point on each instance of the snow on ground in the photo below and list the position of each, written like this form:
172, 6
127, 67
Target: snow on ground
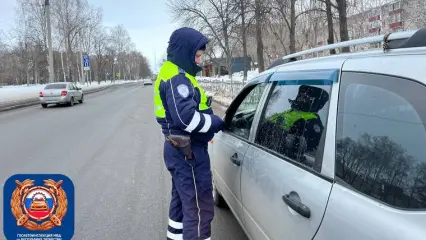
236, 77
222, 88
24, 92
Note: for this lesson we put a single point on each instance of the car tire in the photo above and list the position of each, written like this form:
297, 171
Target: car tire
44, 105
71, 103
218, 199
82, 99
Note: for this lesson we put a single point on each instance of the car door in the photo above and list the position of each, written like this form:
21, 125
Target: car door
230, 145
380, 164
283, 190
77, 93
71, 91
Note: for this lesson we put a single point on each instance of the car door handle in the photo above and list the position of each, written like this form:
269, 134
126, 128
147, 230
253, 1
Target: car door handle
297, 206
235, 160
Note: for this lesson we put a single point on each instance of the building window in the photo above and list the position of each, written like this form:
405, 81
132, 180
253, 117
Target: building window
398, 17
395, 18
394, 6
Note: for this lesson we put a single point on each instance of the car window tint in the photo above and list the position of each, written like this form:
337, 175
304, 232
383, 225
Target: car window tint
381, 138
56, 86
293, 122
243, 118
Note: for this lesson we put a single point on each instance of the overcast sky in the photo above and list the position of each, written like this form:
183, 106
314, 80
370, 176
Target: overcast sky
148, 22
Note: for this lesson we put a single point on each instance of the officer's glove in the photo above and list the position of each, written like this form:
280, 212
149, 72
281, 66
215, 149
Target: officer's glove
217, 124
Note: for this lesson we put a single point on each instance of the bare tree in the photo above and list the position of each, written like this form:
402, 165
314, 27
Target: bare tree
259, 13
290, 11
415, 14
246, 18
214, 17
100, 41
70, 18
330, 28
120, 41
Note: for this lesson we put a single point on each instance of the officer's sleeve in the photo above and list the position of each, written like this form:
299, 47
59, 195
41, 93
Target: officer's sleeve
184, 109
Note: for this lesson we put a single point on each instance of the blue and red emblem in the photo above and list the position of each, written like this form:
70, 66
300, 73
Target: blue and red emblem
39, 203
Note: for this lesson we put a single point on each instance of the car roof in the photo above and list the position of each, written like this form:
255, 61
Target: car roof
408, 43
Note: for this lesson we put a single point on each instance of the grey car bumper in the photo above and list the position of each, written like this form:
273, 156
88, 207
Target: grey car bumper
54, 100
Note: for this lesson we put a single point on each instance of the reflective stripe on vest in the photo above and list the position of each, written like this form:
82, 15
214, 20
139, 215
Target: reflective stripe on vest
167, 72
288, 118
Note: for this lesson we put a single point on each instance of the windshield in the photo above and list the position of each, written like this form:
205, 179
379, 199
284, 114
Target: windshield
56, 86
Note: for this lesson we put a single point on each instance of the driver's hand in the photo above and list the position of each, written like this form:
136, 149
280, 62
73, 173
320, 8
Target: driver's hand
240, 123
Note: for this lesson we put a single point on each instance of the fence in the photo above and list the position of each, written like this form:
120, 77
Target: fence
225, 89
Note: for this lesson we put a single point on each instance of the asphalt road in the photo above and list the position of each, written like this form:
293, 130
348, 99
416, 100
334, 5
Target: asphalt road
111, 147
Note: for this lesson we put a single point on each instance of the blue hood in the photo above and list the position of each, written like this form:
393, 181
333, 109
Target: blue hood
183, 45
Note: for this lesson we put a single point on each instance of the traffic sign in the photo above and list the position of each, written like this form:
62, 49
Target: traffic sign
86, 62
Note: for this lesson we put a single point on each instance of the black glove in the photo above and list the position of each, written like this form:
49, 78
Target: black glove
217, 123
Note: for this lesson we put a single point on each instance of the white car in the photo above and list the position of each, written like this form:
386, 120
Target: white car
147, 81
329, 148
61, 93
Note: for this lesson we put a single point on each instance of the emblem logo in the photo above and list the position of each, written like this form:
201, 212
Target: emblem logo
31, 204
38, 203
183, 90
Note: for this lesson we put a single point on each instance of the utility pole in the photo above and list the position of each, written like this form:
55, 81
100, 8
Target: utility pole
49, 42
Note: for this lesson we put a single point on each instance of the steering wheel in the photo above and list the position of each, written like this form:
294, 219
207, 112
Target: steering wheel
242, 121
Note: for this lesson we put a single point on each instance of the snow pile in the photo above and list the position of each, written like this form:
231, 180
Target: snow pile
236, 77
23, 92
222, 91
222, 88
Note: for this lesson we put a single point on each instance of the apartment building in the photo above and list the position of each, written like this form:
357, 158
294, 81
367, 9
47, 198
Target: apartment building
389, 17
372, 17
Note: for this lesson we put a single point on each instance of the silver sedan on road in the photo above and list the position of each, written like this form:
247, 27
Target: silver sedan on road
61, 93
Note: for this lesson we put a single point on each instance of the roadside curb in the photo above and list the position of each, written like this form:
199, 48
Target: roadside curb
34, 101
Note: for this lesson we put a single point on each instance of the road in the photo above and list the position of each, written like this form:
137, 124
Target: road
111, 147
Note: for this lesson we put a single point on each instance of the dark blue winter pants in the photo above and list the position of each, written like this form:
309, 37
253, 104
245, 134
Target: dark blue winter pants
191, 207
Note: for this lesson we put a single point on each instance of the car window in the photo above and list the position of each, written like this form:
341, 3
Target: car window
56, 86
242, 119
381, 138
294, 120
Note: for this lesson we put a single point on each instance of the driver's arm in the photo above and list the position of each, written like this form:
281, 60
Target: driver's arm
314, 130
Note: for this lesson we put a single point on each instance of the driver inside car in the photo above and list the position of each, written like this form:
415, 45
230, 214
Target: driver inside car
299, 128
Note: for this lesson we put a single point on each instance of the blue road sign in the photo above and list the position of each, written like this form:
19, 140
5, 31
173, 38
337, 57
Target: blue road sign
86, 62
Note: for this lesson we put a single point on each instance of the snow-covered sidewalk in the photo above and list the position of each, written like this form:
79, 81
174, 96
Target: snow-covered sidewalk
18, 93
222, 88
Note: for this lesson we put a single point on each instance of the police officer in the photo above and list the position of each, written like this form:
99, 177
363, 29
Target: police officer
188, 124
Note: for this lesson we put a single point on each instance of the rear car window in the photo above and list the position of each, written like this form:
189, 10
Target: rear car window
56, 86
381, 138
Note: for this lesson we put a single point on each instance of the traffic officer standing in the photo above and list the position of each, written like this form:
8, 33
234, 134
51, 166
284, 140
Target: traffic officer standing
188, 124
